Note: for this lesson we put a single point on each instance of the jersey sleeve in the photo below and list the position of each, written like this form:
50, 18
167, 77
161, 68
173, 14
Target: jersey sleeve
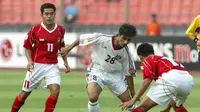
28, 40
193, 26
86, 39
147, 70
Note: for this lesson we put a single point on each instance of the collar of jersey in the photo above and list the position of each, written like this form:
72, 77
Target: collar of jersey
50, 31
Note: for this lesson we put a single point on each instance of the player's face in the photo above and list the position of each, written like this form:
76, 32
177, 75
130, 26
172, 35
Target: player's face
48, 16
141, 57
123, 41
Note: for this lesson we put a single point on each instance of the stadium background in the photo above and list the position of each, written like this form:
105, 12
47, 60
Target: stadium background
105, 16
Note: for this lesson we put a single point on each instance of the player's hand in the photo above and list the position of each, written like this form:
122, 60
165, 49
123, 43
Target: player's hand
127, 104
67, 68
63, 51
30, 65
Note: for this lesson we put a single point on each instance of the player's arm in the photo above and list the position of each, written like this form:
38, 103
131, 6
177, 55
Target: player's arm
130, 83
28, 42
65, 50
143, 87
64, 57
192, 29
129, 71
85, 39
28, 53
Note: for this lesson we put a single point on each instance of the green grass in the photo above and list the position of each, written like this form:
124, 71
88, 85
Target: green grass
73, 97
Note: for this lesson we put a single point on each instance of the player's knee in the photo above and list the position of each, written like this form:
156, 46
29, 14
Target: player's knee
24, 94
93, 98
54, 89
55, 92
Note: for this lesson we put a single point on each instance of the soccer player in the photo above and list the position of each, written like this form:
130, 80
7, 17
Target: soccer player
110, 60
41, 47
193, 32
172, 84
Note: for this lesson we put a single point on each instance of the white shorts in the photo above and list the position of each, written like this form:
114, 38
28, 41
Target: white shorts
49, 72
115, 81
175, 84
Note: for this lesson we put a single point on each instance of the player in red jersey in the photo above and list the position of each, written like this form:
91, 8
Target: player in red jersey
41, 47
172, 84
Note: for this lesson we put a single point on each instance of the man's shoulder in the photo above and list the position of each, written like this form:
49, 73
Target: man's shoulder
36, 27
61, 28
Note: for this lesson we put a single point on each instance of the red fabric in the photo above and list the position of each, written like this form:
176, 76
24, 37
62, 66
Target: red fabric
51, 103
154, 66
138, 109
44, 44
180, 109
17, 104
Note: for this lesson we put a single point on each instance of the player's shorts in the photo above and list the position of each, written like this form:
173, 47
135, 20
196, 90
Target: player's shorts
115, 81
49, 72
175, 84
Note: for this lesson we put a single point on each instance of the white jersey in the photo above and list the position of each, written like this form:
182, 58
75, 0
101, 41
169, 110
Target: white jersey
104, 56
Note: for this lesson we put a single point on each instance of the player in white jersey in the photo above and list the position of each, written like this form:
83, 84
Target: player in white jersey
110, 60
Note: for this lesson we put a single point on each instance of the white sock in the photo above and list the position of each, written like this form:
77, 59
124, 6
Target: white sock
131, 108
93, 107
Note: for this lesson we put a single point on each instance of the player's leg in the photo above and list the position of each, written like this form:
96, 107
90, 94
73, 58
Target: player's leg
94, 88
158, 94
53, 97
120, 90
52, 79
31, 81
19, 101
169, 106
125, 96
183, 88
172, 103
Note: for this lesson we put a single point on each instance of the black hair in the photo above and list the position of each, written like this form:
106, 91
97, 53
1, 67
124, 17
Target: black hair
128, 30
47, 5
145, 49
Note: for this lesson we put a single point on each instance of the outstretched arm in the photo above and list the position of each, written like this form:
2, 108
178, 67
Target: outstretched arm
143, 87
74, 44
169, 106
66, 50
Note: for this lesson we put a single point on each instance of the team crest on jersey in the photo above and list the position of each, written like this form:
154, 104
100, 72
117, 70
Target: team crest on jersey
118, 57
59, 40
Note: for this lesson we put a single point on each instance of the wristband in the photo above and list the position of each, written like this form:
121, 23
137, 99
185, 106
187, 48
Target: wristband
195, 40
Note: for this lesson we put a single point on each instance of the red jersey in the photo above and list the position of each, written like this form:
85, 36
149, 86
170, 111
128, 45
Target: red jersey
154, 66
44, 43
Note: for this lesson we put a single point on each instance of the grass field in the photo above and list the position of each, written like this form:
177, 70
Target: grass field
73, 97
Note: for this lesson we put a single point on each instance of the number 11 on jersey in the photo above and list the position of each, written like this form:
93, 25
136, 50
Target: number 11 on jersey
50, 47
